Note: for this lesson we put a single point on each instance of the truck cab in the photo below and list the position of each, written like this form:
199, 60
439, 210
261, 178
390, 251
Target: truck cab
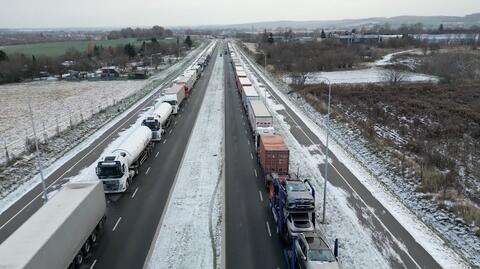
114, 173
314, 253
154, 125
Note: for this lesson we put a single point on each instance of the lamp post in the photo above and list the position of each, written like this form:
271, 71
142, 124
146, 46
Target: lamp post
327, 150
37, 153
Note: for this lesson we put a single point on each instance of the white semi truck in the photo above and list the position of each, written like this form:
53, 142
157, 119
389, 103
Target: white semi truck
174, 96
61, 233
118, 168
159, 120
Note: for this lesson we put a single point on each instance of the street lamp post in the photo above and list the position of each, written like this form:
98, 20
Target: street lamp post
37, 154
326, 151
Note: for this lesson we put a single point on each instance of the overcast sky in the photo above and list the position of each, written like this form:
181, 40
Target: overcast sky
115, 13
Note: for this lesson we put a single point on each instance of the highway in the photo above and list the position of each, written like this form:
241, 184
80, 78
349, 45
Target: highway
132, 218
18, 212
250, 233
382, 224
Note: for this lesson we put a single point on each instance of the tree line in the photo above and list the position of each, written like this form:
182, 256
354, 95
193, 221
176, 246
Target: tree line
20, 67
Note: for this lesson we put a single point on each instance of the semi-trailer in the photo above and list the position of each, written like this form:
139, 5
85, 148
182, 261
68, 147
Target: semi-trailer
118, 168
292, 200
187, 79
61, 233
248, 94
159, 120
260, 119
174, 96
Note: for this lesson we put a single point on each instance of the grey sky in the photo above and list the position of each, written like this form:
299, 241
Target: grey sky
101, 13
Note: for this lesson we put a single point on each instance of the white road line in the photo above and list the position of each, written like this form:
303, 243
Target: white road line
164, 141
116, 224
268, 228
170, 131
148, 170
338, 172
135, 192
93, 264
76, 163
175, 123
251, 155
157, 154
261, 196
255, 170
248, 141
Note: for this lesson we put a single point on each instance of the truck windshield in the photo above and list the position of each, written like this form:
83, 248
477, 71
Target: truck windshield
109, 171
297, 186
172, 102
152, 124
320, 255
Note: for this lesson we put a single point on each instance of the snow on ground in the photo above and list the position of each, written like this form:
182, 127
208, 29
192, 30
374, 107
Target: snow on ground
189, 235
351, 231
54, 101
24, 185
373, 74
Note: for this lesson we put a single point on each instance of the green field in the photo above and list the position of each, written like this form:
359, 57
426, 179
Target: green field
59, 48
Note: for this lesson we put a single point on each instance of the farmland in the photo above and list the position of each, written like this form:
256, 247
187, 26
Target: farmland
54, 49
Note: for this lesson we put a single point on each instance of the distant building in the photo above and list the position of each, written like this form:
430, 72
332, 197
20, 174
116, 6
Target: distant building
110, 71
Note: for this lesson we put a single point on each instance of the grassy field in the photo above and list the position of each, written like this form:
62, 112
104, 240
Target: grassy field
59, 48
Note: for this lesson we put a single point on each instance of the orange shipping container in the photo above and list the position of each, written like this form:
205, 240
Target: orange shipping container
274, 154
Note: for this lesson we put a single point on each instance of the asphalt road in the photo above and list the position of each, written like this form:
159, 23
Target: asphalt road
133, 217
250, 233
383, 225
23, 208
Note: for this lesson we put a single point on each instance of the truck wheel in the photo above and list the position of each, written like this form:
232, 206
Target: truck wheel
93, 238
87, 247
79, 259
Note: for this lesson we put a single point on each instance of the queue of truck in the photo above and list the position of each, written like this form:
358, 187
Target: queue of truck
63, 232
292, 199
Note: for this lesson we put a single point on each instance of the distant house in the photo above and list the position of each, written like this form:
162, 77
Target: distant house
110, 71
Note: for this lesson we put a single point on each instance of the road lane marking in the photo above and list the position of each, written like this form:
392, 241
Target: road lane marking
135, 112
248, 141
280, 100
148, 170
116, 224
93, 264
157, 154
170, 131
251, 155
175, 123
255, 170
164, 141
135, 192
268, 228
261, 196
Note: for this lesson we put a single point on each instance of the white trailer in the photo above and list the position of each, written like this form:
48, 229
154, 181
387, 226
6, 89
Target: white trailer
159, 120
259, 117
249, 93
174, 96
61, 233
118, 168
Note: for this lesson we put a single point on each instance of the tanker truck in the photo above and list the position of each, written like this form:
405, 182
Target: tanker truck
159, 120
118, 168
62, 233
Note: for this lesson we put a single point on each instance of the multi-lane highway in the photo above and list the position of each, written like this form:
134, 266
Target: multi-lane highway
250, 235
382, 224
251, 240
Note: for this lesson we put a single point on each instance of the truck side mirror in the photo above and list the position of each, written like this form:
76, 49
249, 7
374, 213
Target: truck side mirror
335, 249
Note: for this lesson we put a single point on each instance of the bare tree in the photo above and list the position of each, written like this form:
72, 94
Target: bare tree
393, 76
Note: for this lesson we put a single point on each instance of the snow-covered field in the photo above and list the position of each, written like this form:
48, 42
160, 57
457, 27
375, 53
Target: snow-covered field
374, 74
54, 102
189, 234
18, 180
358, 249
